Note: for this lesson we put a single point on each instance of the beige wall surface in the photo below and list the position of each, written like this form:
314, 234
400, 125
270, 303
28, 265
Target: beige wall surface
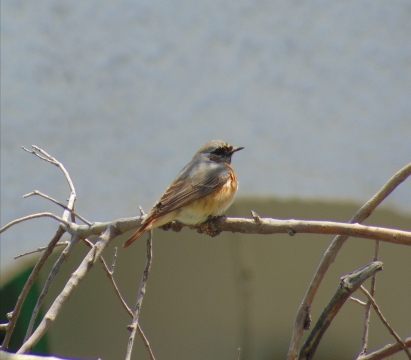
124, 92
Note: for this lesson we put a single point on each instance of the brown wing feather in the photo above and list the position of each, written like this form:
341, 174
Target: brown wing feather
182, 192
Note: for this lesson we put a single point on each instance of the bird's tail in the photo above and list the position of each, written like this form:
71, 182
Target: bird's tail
140, 231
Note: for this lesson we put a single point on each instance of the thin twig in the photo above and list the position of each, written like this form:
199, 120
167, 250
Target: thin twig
113, 263
36, 192
27, 286
62, 258
34, 216
386, 351
384, 321
123, 302
330, 255
349, 284
368, 305
116, 289
358, 301
40, 249
140, 296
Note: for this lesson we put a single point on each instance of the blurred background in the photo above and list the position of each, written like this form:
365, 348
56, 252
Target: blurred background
124, 92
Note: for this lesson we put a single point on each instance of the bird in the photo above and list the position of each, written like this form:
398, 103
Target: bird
203, 189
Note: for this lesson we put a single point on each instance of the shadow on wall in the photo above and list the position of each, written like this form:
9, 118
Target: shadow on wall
207, 297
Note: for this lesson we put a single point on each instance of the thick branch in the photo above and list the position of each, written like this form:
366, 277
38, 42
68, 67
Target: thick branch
349, 284
291, 227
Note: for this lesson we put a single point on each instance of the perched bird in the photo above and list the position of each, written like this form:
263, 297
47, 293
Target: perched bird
204, 188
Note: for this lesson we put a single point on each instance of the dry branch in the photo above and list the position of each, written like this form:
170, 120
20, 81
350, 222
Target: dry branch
385, 322
141, 292
29, 283
331, 253
349, 284
386, 351
78, 275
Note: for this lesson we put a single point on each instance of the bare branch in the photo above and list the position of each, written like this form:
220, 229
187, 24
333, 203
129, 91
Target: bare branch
384, 321
116, 289
30, 281
349, 284
62, 258
272, 226
40, 249
34, 216
386, 351
76, 277
140, 296
331, 253
113, 263
358, 301
123, 302
36, 192
368, 305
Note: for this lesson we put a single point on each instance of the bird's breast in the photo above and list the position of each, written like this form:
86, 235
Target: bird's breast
213, 204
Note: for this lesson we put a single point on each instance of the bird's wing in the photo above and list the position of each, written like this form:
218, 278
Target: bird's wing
190, 185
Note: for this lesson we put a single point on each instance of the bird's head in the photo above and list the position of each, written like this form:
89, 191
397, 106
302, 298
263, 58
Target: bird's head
218, 151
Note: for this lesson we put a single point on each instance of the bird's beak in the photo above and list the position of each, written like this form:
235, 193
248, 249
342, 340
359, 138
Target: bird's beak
237, 149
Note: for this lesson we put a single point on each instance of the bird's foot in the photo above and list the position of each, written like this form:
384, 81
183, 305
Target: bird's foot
173, 225
210, 227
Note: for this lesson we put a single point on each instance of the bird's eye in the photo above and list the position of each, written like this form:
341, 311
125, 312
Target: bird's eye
219, 151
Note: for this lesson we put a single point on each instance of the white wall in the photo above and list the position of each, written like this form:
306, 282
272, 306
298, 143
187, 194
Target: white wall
124, 92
